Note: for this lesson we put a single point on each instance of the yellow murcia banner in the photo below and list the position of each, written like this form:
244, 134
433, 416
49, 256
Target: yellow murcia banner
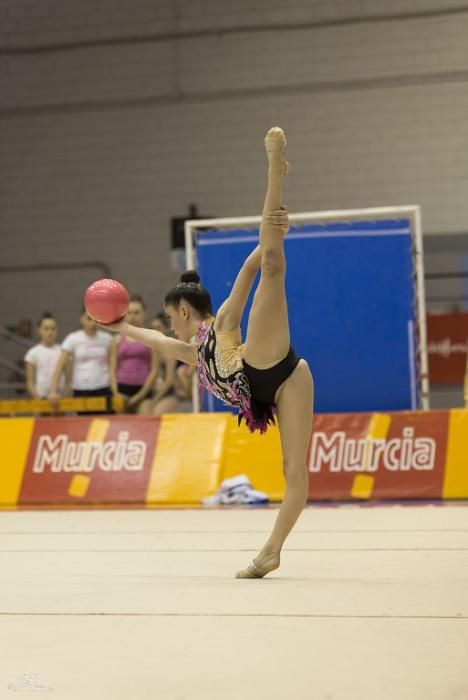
179, 459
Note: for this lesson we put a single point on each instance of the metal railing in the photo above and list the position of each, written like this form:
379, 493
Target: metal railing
46, 267
95, 404
453, 299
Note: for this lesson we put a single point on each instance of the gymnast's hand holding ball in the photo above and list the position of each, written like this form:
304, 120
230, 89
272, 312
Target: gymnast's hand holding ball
106, 301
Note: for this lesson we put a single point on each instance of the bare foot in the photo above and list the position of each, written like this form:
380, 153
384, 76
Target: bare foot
275, 143
260, 566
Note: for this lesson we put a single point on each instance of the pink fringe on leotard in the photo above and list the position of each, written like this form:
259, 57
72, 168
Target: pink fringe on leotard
257, 416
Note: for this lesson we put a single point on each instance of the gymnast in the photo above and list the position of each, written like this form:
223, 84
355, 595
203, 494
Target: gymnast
262, 377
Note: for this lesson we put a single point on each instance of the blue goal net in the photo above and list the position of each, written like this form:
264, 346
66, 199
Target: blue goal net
352, 307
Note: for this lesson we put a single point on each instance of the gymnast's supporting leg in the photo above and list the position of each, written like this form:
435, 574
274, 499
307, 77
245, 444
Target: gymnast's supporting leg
294, 415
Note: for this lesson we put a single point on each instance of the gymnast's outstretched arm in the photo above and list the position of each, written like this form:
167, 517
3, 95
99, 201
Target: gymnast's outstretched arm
185, 352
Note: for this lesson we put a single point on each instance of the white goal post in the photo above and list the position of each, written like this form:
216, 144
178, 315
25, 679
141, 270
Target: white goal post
410, 212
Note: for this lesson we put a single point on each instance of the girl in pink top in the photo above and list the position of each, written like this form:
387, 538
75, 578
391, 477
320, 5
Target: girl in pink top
133, 366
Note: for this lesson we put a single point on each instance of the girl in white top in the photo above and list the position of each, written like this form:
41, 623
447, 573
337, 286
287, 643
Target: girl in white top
89, 350
42, 359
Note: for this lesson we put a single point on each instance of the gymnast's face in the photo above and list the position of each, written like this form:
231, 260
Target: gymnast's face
181, 321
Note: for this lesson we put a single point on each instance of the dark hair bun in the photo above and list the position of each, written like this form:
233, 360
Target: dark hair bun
190, 276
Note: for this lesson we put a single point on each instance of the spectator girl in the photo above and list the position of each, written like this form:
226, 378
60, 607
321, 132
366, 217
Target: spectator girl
89, 350
165, 398
133, 366
42, 359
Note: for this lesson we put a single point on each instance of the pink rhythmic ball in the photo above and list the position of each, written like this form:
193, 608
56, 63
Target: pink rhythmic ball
106, 301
